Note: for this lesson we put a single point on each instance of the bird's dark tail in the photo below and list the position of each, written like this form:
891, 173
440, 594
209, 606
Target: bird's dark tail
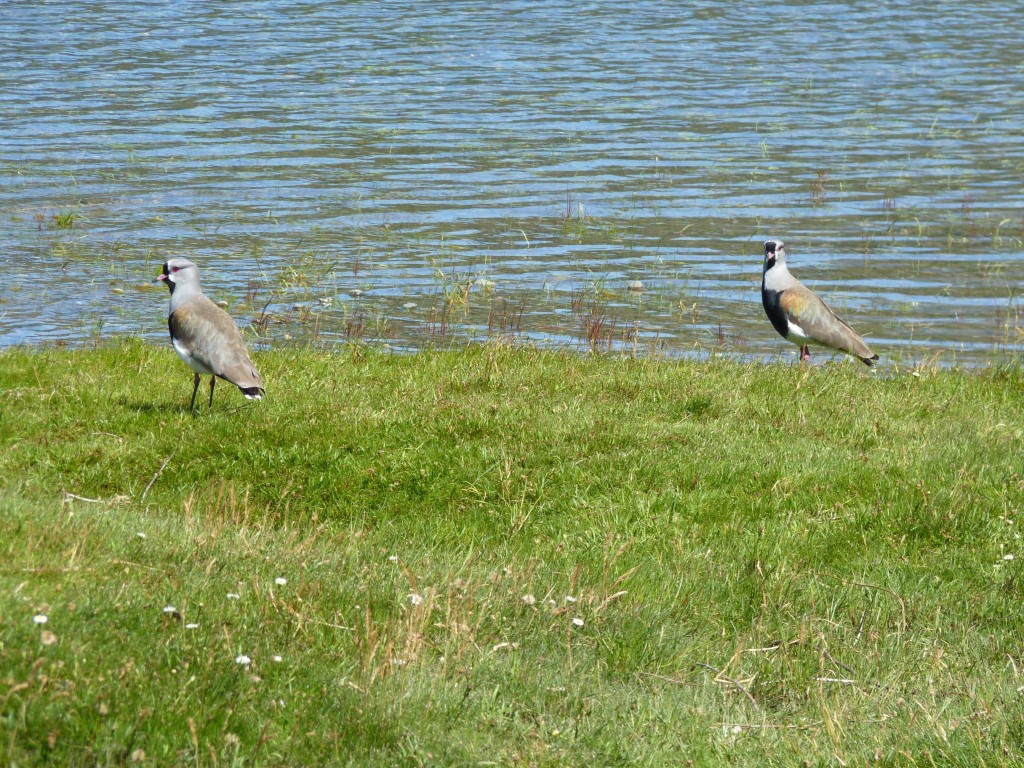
252, 393
869, 361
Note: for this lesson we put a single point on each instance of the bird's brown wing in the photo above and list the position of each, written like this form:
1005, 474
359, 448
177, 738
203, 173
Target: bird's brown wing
821, 324
213, 339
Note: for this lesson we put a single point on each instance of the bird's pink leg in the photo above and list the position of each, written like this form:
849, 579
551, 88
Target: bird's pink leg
805, 352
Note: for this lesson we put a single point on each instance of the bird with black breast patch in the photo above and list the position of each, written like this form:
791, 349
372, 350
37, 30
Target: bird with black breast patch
204, 335
800, 316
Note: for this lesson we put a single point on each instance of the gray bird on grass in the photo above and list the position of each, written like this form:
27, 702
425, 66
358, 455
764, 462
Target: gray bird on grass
800, 316
204, 335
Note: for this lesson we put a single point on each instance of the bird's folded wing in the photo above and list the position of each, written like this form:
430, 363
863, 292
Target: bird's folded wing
214, 340
820, 323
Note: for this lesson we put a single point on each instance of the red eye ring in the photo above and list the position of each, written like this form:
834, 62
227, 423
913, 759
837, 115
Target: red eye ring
175, 269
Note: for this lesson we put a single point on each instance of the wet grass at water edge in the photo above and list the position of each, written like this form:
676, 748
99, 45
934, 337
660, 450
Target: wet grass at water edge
508, 556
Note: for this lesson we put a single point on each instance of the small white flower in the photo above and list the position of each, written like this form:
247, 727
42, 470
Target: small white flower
393, 559
280, 581
415, 599
400, 662
40, 618
529, 599
276, 658
233, 596
243, 660
170, 609
1008, 557
578, 621
141, 535
570, 599
191, 626
737, 729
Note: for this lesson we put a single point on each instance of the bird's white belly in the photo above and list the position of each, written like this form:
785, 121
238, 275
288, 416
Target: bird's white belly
794, 333
797, 335
187, 358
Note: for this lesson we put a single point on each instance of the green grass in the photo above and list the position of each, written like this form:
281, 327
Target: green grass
773, 565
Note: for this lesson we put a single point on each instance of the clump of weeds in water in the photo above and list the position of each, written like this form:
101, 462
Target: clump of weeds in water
440, 317
819, 194
300, 293
455, 290
1010, 323
597, 328
64, 219
505, 319
999, 240
371, 324
60, 220
575, 222
355, 326
438, 323
577, 225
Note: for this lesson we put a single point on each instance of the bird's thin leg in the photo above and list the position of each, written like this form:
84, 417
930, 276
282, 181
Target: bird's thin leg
805, 352
195, 389
213, 380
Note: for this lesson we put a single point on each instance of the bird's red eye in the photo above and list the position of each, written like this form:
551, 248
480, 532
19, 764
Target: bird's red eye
175, 269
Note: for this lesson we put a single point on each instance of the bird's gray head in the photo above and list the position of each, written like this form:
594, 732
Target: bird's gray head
774, 251
178, 273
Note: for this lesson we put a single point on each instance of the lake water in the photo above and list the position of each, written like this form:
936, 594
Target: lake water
416, 174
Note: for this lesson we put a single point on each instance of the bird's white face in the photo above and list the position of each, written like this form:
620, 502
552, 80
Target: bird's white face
177, 271
774, 251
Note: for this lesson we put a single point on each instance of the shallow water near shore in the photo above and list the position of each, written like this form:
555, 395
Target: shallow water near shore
571, 175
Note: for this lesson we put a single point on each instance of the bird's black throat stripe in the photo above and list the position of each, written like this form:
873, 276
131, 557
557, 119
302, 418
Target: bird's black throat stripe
772, 301
172, 321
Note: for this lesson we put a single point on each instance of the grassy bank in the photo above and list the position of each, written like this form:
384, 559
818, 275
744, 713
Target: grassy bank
508, 557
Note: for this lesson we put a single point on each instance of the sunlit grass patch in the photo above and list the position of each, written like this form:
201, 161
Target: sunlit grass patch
507, 555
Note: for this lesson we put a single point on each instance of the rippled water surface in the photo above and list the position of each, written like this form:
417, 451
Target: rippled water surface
433, 173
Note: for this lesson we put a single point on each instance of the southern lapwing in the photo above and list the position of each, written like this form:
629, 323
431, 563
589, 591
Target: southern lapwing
204, 335
799, 315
